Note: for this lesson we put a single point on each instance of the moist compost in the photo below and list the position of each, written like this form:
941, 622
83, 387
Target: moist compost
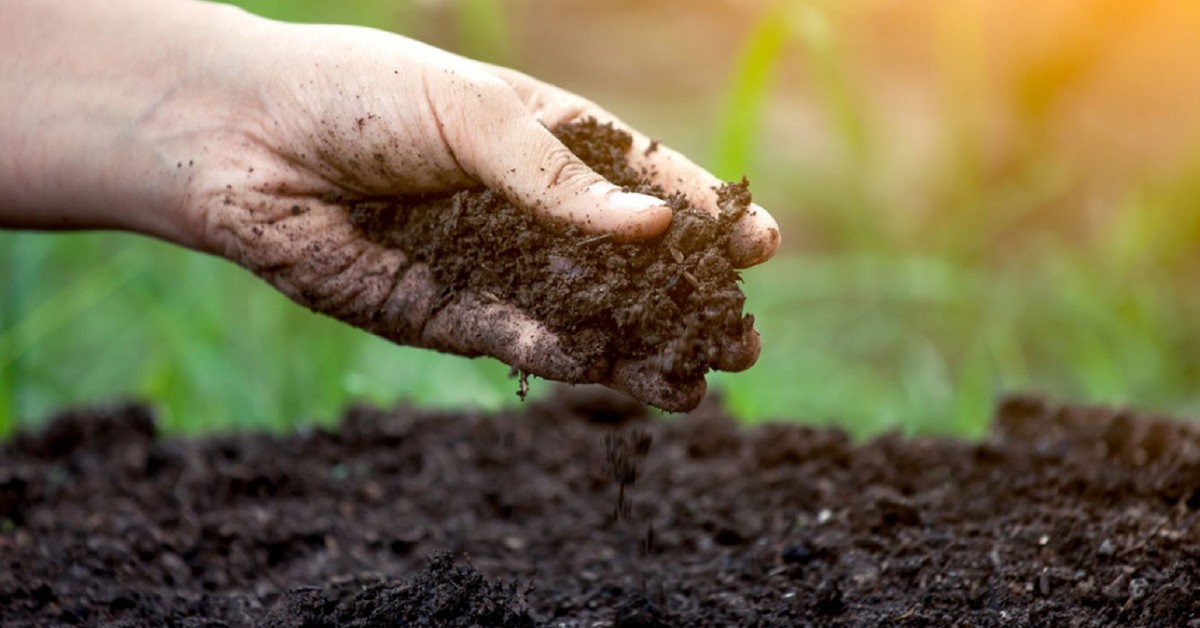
1063, 516
673, 299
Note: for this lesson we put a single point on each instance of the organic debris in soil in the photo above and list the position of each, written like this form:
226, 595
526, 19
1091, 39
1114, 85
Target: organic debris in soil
673, 299
1063, 516
442, 595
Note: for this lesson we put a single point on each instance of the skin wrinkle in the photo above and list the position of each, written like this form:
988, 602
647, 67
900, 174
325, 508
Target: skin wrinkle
335, 282
377, 318
431, 107
350, 294
444, 330
378, 268
324, 276
559, 170
498, 329
332, 256
239, 228
409, 306
223, 235
556, 170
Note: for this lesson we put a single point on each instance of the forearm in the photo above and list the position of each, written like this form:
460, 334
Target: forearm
97, 101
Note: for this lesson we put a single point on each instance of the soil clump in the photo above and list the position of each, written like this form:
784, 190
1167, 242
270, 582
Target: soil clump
1063, 516
673, 299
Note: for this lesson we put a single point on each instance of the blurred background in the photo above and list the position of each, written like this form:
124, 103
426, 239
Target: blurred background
976, 198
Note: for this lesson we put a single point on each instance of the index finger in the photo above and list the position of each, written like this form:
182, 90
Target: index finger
755, 236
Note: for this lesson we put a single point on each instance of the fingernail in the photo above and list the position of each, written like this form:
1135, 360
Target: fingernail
625, 215
630, 202
755, 238
626, 201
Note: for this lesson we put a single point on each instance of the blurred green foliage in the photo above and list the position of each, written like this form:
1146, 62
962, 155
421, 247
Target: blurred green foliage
916, 324
922, 321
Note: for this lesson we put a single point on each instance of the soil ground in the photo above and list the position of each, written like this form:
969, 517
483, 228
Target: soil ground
583, 510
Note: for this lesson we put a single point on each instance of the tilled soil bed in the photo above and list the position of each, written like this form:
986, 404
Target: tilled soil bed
584, 510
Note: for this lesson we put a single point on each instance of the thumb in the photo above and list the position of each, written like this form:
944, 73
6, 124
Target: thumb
508, 149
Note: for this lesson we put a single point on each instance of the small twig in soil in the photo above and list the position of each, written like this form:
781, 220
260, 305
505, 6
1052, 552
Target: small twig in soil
600, 238
492, 274
522, 382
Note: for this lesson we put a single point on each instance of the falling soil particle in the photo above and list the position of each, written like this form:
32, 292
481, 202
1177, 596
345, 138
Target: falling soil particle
673, 299
1062, 516
623, 455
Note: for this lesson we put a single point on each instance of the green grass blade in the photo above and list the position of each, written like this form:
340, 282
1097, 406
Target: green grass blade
747, 96
483, 31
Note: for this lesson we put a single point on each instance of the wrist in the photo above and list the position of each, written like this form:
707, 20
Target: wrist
104, 109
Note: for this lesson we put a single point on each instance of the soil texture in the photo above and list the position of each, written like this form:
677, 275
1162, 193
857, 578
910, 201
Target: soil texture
673, 299
583, 510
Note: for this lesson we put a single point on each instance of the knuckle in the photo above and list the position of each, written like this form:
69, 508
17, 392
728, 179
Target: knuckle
560, 168
407, 307
252, 238
349, 281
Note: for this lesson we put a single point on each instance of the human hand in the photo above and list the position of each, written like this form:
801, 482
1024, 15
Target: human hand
314, 118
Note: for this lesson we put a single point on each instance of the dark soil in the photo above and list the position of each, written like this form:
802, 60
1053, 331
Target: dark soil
1064, 516
673, 299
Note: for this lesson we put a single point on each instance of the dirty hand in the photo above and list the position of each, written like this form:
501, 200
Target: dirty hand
245, 138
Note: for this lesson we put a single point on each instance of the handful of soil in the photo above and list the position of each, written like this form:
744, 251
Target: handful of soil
673, 299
